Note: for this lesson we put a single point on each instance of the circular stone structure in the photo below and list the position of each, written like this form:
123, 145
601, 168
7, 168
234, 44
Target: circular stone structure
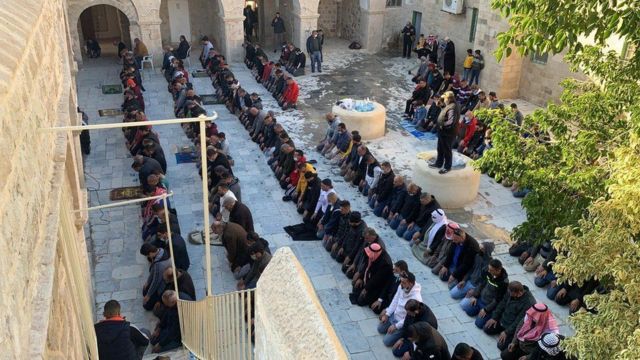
370, 124
454, 189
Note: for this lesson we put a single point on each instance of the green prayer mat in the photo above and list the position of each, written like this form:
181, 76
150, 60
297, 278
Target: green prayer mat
112, 89
110, 112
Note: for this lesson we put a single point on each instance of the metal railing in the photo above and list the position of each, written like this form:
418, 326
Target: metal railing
218, 327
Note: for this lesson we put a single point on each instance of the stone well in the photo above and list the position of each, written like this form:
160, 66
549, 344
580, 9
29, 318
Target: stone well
370, 124
454, 189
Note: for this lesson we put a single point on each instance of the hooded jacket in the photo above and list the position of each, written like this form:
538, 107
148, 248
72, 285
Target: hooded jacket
155, 282
118, 339
396, 308
511, 310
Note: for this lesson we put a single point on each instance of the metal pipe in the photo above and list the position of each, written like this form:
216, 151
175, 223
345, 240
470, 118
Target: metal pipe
126, 202
200, 119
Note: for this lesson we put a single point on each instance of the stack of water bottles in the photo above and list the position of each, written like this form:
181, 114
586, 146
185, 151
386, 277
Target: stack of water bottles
364, 106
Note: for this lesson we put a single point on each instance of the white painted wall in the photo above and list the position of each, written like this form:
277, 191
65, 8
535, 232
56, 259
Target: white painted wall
179, 21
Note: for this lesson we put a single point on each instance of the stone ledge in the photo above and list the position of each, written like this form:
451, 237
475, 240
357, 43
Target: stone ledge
287, 329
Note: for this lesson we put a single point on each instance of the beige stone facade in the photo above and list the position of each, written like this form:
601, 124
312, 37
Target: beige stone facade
46, 300
276, 311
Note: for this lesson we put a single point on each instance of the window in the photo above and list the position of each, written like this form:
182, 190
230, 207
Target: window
474, 24
394, 3
628, 50
539, 58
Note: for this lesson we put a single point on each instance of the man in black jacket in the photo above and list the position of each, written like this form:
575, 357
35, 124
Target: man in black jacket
418, 222
483, 299
350, 241
508, 314
422, 92
180, 254
409, 208
167, 334
145, 166
387, 294
461, 255
416, 312
311, 195
379, 273
117, 338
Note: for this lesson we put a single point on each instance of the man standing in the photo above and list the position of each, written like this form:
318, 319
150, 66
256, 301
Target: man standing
408, 34
314, 49
207, 46
278, 31
139, 51
446, 124
117, 338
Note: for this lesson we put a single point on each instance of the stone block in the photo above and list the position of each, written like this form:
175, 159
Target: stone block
128, 272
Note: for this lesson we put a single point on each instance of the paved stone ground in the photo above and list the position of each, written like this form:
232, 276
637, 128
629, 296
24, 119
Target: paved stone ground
119, 271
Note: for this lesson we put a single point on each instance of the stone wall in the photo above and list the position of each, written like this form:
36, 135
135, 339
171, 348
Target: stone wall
165, 26
511, 78
201, 13
313, 336
31, 178
349, 18
328, 20
539, 83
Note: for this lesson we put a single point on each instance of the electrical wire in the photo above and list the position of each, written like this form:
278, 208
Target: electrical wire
97, 193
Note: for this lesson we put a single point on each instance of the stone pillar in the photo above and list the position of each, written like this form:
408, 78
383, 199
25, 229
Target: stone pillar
231, 43
509, 75
149, 32
303, 25
371, 29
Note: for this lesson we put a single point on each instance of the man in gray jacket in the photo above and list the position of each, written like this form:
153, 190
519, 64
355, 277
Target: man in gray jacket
153, 288
259, 261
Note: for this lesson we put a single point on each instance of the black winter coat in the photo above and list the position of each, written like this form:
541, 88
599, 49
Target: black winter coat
466, 259
385, 187
117, 340
410, 207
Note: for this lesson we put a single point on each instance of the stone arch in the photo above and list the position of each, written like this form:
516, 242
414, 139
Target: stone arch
76, 8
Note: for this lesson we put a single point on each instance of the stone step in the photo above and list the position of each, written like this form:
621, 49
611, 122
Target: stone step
175, 354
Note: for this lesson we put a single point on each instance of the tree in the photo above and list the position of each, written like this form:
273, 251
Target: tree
581, 157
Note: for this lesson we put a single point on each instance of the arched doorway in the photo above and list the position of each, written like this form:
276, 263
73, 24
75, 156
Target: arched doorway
103, 24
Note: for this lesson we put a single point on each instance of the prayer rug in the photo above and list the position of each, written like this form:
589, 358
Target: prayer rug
210, 99
186, 154
197, 237
112, 89
301, 232
110, 112
126, 193
422, 136
199, 73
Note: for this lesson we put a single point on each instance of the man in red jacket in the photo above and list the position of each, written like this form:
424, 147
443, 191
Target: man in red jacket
466, 129
290, 95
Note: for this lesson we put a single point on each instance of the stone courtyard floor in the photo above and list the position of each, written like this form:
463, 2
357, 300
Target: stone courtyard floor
114, 235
